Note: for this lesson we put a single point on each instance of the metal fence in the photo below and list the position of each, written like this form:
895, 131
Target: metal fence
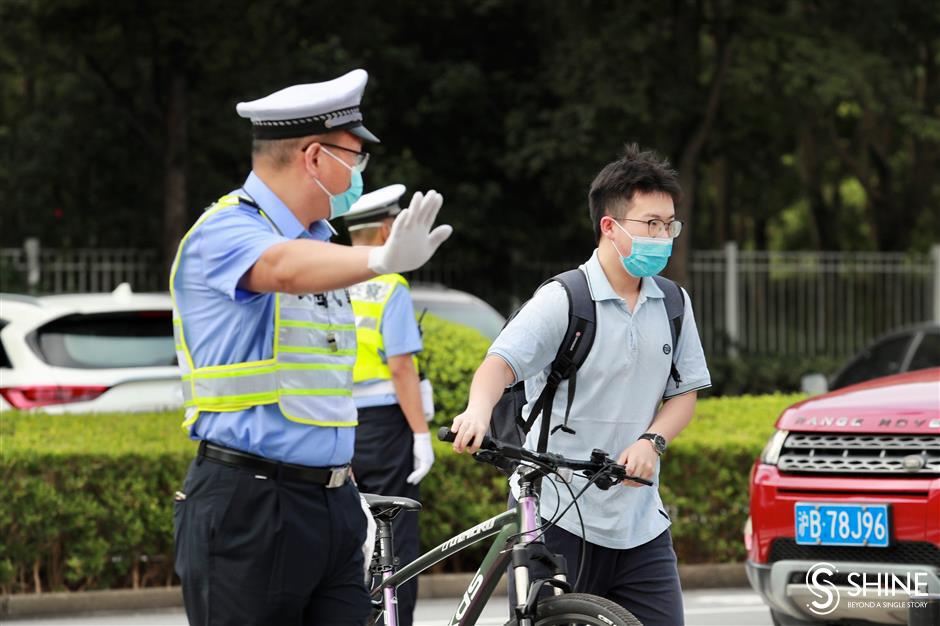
809, 303
46, 271
769, 303
754, 302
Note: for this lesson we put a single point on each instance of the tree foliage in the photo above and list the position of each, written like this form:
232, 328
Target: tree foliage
794, 123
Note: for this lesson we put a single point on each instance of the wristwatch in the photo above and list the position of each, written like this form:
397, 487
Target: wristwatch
659, 442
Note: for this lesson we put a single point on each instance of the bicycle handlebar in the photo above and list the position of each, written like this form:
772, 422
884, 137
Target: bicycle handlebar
600, 462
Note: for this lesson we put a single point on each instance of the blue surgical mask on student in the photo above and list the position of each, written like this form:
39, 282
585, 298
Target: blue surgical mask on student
340, 204
648, 255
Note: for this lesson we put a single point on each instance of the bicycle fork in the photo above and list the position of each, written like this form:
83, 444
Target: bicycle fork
528, 549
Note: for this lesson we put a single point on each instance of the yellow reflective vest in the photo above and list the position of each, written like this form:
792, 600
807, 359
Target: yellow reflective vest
369, 300
313, 354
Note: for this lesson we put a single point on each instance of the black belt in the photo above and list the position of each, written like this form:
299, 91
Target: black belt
330, 477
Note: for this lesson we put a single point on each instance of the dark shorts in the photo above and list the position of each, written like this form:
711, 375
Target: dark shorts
254, 551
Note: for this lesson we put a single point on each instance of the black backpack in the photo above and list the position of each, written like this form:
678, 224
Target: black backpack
508, 424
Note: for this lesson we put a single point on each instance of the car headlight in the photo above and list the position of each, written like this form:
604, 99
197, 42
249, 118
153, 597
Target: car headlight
771, 452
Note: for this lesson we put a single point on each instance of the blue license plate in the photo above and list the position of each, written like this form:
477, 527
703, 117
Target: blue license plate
842, 525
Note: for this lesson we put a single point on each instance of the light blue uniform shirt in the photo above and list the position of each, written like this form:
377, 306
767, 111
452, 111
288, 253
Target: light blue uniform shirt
400, 335
226, 324
620, 386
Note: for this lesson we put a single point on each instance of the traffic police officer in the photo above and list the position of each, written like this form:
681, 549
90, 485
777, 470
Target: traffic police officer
268, 526
393, 445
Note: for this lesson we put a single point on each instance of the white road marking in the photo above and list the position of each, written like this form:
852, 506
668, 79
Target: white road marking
731, 598
723, 610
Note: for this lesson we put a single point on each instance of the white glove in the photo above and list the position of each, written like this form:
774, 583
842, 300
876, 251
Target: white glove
411, 242
427, 399
424, 457
369, 546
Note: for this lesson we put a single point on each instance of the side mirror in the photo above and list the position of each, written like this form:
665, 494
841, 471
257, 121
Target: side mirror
814, 384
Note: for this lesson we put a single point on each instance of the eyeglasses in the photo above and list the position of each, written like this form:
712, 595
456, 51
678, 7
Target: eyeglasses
362, 158
658, 227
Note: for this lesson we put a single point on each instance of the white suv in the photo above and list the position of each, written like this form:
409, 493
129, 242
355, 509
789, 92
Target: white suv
88, 352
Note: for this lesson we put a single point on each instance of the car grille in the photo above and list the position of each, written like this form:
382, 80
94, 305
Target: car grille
904, 552
809, 453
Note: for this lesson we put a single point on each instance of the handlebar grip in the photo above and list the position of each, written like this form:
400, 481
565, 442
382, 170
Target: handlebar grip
446, 434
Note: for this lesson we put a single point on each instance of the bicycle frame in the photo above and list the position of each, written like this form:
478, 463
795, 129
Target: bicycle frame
481, 586
519, 523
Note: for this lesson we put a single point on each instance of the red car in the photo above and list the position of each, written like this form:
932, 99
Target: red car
844, 521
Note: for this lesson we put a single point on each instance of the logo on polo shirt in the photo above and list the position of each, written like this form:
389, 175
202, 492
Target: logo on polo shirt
666, 348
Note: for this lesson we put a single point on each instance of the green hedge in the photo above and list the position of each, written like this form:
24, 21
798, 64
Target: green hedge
705, 474
87, 499
451, 354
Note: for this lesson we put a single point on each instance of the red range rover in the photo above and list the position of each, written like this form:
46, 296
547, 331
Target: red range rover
844, 521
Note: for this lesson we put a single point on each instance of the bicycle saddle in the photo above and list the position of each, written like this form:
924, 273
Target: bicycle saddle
389, 506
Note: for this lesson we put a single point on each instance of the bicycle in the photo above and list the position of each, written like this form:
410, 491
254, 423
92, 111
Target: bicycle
517, 542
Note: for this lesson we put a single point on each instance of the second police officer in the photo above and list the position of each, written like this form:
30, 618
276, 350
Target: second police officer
393, 445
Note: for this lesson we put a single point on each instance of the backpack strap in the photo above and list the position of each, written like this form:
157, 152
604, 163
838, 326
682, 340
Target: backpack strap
675, 311
574, 348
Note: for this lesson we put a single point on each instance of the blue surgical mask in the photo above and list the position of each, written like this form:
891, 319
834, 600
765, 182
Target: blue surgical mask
340, 204
648, 255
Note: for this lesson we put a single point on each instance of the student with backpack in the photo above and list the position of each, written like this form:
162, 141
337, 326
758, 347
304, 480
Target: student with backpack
607, 356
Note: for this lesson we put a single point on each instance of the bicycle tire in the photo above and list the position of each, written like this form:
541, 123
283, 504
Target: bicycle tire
581, 608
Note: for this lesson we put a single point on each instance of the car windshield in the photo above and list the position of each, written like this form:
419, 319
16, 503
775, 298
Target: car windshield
928, 353
882, 359
108, 340
472, 314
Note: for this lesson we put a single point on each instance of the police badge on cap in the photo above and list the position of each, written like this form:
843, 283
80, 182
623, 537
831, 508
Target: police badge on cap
310, 109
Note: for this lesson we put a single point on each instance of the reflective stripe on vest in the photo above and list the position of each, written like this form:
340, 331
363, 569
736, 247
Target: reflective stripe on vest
369, 300
314, 353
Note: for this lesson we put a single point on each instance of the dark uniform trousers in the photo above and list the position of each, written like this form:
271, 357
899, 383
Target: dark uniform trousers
265, 551
644, 579
381, 463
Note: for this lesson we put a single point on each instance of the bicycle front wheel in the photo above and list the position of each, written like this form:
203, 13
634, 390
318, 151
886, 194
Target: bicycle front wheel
581, 609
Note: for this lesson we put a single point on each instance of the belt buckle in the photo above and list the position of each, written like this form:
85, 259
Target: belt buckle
337, 477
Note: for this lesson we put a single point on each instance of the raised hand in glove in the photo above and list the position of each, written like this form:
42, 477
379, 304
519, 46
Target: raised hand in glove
411, 242
424, 457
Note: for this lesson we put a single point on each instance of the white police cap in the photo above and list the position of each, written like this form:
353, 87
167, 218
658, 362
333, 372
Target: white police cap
375, 206
310, 109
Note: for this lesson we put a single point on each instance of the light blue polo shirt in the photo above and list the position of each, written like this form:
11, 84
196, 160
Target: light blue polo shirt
619, 389
400, 334
226, 324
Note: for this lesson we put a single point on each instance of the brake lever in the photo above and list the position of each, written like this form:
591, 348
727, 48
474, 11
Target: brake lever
634, 479
609, 469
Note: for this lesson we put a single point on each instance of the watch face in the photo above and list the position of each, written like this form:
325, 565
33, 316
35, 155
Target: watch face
658, 441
